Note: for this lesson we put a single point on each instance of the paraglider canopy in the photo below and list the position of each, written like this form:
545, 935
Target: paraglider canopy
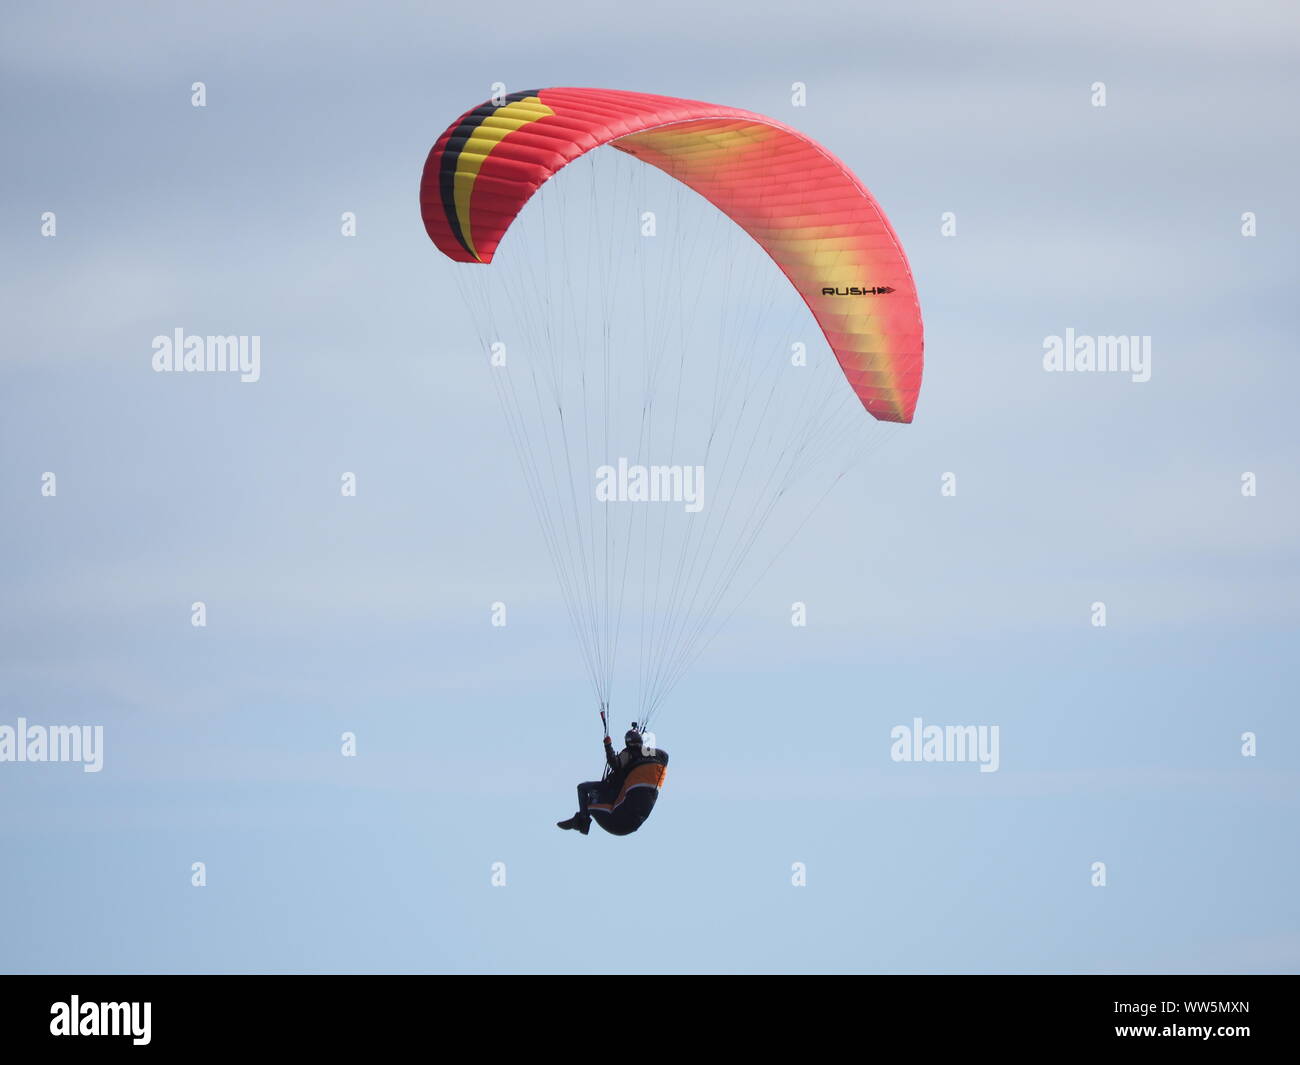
801, 204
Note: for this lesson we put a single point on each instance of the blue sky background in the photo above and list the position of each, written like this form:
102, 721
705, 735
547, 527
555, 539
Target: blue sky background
371, 615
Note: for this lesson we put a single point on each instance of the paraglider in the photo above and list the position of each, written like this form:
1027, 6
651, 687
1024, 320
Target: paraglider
634, 323
623, 799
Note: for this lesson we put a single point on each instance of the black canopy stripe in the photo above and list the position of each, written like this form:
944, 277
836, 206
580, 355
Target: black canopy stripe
451, 156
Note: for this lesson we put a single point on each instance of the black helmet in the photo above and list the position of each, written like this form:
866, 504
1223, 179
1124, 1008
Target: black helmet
632, 738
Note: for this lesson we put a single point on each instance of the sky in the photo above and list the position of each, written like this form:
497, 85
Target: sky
434, 849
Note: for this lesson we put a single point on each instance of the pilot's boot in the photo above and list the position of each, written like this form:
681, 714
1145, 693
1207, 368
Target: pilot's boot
579, 821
